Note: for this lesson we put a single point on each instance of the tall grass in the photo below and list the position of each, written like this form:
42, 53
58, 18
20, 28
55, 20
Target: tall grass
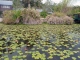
9, 17
59, 18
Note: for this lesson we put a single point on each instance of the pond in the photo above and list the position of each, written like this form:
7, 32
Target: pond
39, 42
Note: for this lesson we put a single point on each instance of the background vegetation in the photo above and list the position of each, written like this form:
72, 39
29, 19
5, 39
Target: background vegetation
30, 14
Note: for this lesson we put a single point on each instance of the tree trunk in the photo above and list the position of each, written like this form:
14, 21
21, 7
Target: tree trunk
29, 4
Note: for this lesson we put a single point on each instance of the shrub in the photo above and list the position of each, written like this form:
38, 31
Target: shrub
30, 12
31, 16
9, 17
25, 16
43, 14
59, 19
68, 20
16, 14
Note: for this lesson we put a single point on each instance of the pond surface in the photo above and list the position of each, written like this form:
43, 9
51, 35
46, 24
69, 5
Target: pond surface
40, 42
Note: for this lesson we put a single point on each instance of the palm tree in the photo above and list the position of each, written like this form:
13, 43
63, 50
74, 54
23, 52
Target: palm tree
29, 3
26, 3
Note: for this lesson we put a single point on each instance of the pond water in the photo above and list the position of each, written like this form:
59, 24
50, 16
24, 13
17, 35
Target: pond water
48, 48
44, 43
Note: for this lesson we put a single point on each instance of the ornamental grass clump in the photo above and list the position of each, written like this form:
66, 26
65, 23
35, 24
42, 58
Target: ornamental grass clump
31, 16
11, 16
8, 17
68, 20
59, 18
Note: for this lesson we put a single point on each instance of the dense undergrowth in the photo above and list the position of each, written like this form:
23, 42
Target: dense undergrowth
59, 18
31, 16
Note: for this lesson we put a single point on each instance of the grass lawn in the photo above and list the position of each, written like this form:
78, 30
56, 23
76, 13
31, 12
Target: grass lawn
40, 42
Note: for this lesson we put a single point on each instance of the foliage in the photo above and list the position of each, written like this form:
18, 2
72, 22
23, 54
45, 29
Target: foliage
68, 20
47, 6
74, 10
62, 6
30, 16
30, 12
9, 17
59, 18
43, 14
45, 42
17, 4
25, 16
56, 7
37, 55
16, 14
59, 14
38, 4
33, 3
65, 7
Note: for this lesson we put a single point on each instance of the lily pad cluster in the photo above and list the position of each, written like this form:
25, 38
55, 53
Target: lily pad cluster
39, 42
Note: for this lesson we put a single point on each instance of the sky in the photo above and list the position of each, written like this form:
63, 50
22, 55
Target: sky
75, 2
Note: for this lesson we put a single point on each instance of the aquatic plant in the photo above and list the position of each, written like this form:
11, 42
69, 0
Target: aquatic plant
45, 42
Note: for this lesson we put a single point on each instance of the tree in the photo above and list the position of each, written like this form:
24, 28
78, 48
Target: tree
32, 3
64, 6
38, 3
48, 6
75, 9
17, 4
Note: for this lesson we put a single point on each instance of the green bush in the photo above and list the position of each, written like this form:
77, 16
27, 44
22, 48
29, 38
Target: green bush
16, 14
43, 14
